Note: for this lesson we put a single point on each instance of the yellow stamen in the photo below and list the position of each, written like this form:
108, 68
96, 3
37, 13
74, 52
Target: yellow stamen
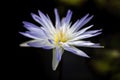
60, 37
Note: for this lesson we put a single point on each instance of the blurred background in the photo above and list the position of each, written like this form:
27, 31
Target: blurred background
33, 63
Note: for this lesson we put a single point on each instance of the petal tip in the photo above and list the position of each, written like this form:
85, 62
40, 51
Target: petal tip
24, 45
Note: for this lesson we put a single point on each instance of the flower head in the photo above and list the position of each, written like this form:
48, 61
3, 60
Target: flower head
61, 36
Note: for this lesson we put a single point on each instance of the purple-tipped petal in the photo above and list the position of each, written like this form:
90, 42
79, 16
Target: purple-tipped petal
83, 30
68, 17
84, 36
40, 44
77, 25
46, 20
84, 22
96, 46
30, 26
75, 50
93, 31
59, 52
40, 35
57, 18
29, 35
37, 19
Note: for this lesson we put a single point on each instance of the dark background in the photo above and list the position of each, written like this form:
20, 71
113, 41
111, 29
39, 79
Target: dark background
33, 63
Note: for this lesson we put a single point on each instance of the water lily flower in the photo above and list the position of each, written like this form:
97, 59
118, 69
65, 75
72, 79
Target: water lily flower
62, 36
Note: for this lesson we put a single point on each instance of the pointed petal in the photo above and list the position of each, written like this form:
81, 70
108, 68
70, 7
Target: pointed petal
41, 44
30, 26
34, 30
93, 31
57, 18
46, 20
38, 19
84, 22
78, 23
29, 35
24, 44
83, 30
57, 54
68, 17
80, 43
97, 45
84, 36
74, 50
37, 34
85, 44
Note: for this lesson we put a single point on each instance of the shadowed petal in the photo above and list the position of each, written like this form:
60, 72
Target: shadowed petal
57, 54
74, 50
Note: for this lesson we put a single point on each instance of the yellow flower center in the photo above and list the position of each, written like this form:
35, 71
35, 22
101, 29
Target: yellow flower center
60, 37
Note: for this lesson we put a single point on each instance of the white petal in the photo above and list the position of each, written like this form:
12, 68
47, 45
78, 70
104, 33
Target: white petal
57, 54
79, 23
84, 22
46, 21
84, 36
25, 44
80, 43
85, 44
82, 31
74, 50
39, 44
